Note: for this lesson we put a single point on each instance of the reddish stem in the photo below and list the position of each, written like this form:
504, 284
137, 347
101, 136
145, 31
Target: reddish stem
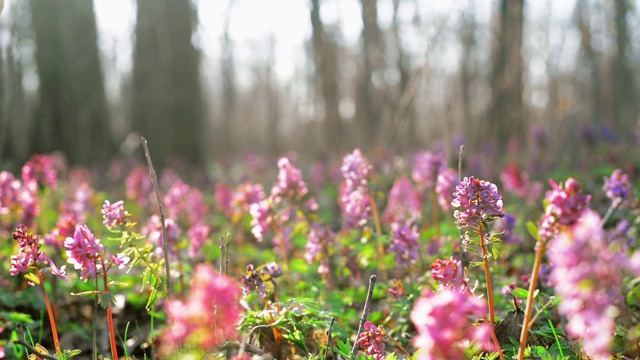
376, 220
112, 333
52, 320
540, 246
487, 275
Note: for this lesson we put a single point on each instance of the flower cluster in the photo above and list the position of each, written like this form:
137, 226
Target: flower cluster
82, 252
207, 318
114, 214
197, 235
397, 290
404, 243
587, 275
445, 187
427, 166
318, 237
39, 170
253, 281
9, 190
442, 320
517, 182
139, 185
565, 205
478, 201
404, 203
355, 200
290, 184
371, 340
29, 254
618, 186
448, 272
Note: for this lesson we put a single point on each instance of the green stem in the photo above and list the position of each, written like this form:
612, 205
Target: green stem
376, 220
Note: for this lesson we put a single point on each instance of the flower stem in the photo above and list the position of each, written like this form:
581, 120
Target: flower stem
112, 333
52, 320
487, 275
376, 220
400, 347
540, 246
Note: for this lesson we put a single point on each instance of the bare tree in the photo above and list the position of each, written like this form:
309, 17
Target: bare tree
326, 76
589, 60
625, 101
368, 104
72, 114
229, 86
505, 118
167, 100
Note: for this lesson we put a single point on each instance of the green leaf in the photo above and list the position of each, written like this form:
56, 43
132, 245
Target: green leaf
17, 349
18, 317
533, 230
476, 263
520, 293
344, 349
391, 356
495, 251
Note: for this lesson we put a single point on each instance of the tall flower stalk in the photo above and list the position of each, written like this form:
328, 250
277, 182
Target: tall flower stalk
30, 257
565, 205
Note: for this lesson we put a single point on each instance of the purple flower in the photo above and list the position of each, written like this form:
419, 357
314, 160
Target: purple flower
224, 199
404, 202
120, 260
371, 340
587, 276
153, 232
271, 271
445, 187
315, 238
113, 214
478, 200
356, 170
82, 252
506, 226
565, 206
404, 243
443, 320
617, 186
427, 166
253, 281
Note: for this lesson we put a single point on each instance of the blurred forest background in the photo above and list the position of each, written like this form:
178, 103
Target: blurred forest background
212, 79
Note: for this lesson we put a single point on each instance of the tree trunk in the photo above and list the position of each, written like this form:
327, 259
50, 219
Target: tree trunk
505, 119
625, 102
326, 62
167, 100
72, 114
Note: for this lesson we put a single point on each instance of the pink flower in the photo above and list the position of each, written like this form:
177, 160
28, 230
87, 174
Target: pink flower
587, 276
449, 273
83, 250
397, 289
443, 320
207, 318
290, 184
113, 214
371, 340
404, 202
355, 206
318, 235
565, 206
153, 231
261, 219
224, 199
445, 187
9, 190
39, 170
478, 201
139, 185
197, 235
29, 254
120, 260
